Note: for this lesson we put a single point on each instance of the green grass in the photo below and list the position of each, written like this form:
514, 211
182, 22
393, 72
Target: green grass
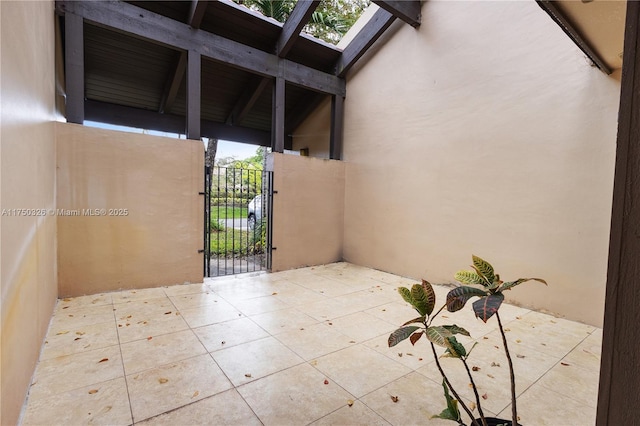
224, 212
233, 241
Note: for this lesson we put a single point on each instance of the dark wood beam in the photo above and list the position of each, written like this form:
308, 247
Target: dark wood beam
248, 99
196, 13
277, 114
619, 372
173, 83
299, 17
158, 29
144, 119
407, 10
194, 71
337, 127
569, 29
74, 67
379, 22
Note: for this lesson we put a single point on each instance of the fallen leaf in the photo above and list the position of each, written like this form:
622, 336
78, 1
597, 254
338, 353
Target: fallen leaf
330, 323
196, 393
162, 380
65, 307
71, 315
167, 313
61, 332
80, 333
490, 376
400, 354
103, 360
518, 317
475, 368
520, 356
149, 338
507, 329
326, 382
302, 329
92, 391
119, 325
350, 402
247, 375
129, 316
565, 364
553, 322
485, 337
274, 293
472, 406
444, 316
66, 299
127, 325
470, 385
409, 354
518, 341
495, 364
77, 338
223, 342
384, 310
419, 359
352, 341
485, 396
394, 398
314, 362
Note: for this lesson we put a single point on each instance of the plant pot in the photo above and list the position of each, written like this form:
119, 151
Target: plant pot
494, 421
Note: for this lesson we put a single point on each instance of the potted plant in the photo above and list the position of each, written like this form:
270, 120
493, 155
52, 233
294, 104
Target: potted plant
490, 293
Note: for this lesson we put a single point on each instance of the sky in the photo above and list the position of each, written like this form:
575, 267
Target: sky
239, 151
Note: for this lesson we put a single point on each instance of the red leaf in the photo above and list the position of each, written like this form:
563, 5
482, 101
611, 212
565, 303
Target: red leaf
415, 337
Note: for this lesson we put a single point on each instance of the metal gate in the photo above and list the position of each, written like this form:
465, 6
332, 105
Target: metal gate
237, 220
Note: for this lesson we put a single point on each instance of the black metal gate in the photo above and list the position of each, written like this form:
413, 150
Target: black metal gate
237, 220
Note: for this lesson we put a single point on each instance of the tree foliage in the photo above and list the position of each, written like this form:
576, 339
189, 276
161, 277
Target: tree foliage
330, 21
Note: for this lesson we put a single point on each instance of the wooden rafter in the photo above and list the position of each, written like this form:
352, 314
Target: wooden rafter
295, 22
407, 10
247, 100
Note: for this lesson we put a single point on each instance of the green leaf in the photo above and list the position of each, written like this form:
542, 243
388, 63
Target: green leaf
469, 277
438, 335
487, 306
511, 284
451, 412
420, 300
446, 414
406, 295
400, 334
483, 268
431, 296
420, 320
415, 337
455, 349
457, 298
454, 329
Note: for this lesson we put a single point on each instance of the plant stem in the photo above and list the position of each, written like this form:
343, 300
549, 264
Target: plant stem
453, 391
514, 411
475, 391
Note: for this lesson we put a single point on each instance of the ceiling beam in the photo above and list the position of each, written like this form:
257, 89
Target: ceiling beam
295, 22
74, 68
104, 112
196, 13
379, 22
407, 10
165, 31
173, 83
248, 100
562, 21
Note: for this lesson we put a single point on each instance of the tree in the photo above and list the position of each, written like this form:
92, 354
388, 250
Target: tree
330, 21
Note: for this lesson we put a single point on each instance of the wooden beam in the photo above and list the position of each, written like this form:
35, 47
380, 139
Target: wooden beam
173, 83
337, 127
407, 10
159, 29
194, 71
379, 22
560, 19
74, 67
299, 17
196, 13
619, 373
144, 119
247, 100
277, 114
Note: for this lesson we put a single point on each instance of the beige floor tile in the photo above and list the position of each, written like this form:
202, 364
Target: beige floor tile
300, 296
144, 354
357, 414
153, 326
576, 383
72, 340
195, 300
230, 333
81, 316
333, 308
83, 301
68, 372
182, 289
418, 399
295, 396
260, 305
137, 310
324, 286
395, 313
544, 407
224, 409
174, 385
103, 403
210, 314
586, 354
404, 352
245, 290
283, 320
359, 369
361, 326
253, 360
315, 340
141, 294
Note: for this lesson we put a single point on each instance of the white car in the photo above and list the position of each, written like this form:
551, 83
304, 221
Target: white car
254, 211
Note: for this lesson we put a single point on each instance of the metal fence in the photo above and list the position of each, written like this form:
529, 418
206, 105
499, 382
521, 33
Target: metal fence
238, 207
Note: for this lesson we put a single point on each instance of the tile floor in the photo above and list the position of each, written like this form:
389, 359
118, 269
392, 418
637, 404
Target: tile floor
300, 347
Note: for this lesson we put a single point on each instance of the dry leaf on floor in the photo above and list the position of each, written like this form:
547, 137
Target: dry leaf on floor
495, 364
419, 359
274, 293
475, 368
352, 341
196, 393
400, 354
565, 364
103, 360
326, 382
520, 356
490, 376
61, 332
394, 398
485, 396
162, 380
77, 338
149, 338
507, 329
518, 341
65, 307
472, 406
350, 402
66, 299
167, 313
518, 317
247, 375
409, 354
80, 333
314, 362
223, 342
92, 391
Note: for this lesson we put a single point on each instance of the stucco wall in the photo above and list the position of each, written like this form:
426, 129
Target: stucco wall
484, 131
314, 133
157, 181
27, 181
308, 211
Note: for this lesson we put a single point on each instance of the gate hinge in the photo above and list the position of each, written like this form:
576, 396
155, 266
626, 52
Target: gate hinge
201, 193
201, 251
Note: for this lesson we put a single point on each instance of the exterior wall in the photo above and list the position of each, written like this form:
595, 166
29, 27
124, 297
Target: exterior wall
314, 133
484, 131
157, 180
27, 181
308, 211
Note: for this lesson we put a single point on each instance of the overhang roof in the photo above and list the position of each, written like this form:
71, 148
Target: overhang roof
135, 58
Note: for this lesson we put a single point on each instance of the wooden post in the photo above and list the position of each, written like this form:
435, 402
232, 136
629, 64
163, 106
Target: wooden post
337, 127
277, 114
74, 67
193, 95
618, 401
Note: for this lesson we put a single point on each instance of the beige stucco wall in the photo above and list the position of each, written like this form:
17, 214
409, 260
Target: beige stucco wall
157, 181
484, 131
314, 133
27, 181
308, 211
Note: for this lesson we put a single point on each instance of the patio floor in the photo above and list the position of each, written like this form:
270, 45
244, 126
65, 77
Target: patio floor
307, 346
